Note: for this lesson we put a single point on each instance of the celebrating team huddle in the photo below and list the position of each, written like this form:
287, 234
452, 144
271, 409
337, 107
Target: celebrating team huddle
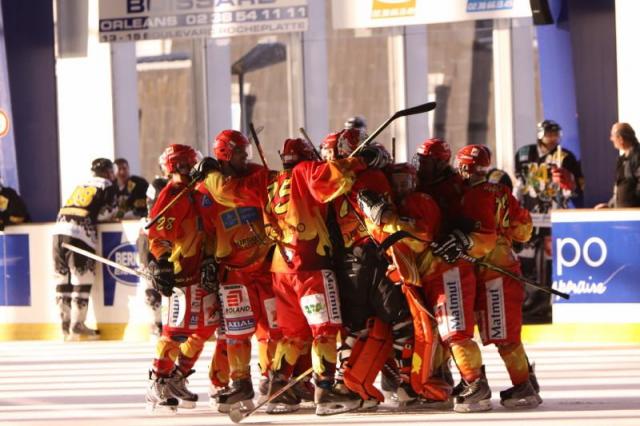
344, 266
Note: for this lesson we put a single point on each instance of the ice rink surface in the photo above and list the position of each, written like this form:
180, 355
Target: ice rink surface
103, 383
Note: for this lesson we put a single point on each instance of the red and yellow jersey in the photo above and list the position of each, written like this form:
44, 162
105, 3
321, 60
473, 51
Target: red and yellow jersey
447, 191
178, 233
238, 232
428, 218
499, 220
353, 231
294, 202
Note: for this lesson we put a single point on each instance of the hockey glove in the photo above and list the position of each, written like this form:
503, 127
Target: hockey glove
564, 178
453, 246
375, 156
162, 277
203, 168
209, 275
372, 204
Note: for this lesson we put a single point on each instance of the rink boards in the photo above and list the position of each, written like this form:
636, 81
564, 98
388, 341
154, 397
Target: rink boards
594, 260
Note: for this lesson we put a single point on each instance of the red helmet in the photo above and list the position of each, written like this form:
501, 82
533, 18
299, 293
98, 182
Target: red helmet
343, 142
328, 146
436, 148
473, 159
295, 151
176, 155
225, 143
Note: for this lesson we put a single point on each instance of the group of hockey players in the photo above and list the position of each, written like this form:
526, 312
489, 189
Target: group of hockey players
343, 265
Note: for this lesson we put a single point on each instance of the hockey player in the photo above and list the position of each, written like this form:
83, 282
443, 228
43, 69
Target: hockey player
244, 254
176, 243
365, 290
450, 288
13, 210
411, 259
307, 300
131, 192
499, 220
548, 177
90, 203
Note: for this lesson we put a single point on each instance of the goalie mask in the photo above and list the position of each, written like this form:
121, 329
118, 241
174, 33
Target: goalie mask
402, 177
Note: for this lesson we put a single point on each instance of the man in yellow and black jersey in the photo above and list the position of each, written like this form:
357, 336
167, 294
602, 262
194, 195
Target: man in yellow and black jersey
90, 203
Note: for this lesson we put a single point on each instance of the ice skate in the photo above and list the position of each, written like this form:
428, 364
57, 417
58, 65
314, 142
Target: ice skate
263, 389
65, 330
214, 394
240, 395
533, 379
79, 331
330, 401
520, 396
159, 397
389, 386
475, 396
288, 402
177, 383
304, 389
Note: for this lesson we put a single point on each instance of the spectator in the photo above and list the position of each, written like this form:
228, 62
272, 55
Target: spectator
90, 203
626, 188
131, 192
13, 211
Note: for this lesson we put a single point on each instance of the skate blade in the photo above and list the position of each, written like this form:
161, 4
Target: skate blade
279, 408
161, 409
531, 401
243, 406
370, 404
236, 416
333, 408
474, 407
187, 404
421, 404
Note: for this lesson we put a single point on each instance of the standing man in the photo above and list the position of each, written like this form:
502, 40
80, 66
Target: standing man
90, 203
131, 192
548, 177
499, 220
626, 188
244, 254
176, 243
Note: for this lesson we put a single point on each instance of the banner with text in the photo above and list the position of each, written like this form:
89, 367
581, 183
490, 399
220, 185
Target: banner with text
388, 13
8, 162
133, 20
595, 259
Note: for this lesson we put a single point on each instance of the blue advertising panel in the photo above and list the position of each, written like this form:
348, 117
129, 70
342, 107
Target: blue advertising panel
597, 262
15, 279
117, 249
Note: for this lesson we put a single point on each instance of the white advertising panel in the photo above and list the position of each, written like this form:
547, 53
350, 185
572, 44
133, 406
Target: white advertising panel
386, 13
133, 20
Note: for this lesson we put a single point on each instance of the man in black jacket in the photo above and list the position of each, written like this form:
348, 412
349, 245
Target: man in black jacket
626, 189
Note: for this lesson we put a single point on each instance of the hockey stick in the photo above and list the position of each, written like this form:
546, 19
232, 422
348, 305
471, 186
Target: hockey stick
171, 203
113, 264
237, 416
304, 133
254, 136
106, 261
509, 274
516, 277
419, 109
